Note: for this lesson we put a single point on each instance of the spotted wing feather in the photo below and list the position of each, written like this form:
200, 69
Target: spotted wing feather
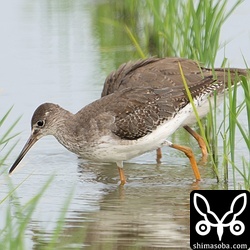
141, 111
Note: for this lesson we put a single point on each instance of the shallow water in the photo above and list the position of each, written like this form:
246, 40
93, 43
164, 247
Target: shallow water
50, 52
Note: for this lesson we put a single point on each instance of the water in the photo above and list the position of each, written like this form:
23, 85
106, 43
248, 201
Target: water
50, 52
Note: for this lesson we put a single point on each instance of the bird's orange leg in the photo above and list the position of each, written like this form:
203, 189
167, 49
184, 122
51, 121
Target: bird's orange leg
158, 155
122, 175
199, 139
189, 153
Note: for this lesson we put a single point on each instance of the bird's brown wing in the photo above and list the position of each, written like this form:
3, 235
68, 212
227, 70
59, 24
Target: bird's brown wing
140, 111
152, 72
164, 72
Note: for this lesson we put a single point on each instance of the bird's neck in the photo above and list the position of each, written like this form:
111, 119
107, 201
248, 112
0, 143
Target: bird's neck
70, 133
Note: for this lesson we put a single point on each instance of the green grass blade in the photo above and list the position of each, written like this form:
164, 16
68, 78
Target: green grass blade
134, 41
197, 116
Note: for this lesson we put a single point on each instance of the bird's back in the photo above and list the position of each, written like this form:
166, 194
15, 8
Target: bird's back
164, 72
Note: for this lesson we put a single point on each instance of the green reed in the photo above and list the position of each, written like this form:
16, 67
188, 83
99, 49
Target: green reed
234, 126
228, 130
180, 28
202, 130
6, 137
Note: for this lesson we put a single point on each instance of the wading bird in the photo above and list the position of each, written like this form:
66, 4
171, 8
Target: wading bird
126, 123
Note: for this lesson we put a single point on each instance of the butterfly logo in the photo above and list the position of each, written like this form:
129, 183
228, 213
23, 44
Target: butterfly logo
203, 227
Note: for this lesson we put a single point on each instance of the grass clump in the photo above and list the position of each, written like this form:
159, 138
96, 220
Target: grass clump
188, 29
18, 216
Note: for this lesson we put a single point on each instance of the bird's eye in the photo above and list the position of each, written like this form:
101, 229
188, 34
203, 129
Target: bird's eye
40, 123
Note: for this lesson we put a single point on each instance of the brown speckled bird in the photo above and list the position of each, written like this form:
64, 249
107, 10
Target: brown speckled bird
165, 72
128, 122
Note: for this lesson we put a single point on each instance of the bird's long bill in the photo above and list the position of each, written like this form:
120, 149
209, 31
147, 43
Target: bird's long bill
31, 141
